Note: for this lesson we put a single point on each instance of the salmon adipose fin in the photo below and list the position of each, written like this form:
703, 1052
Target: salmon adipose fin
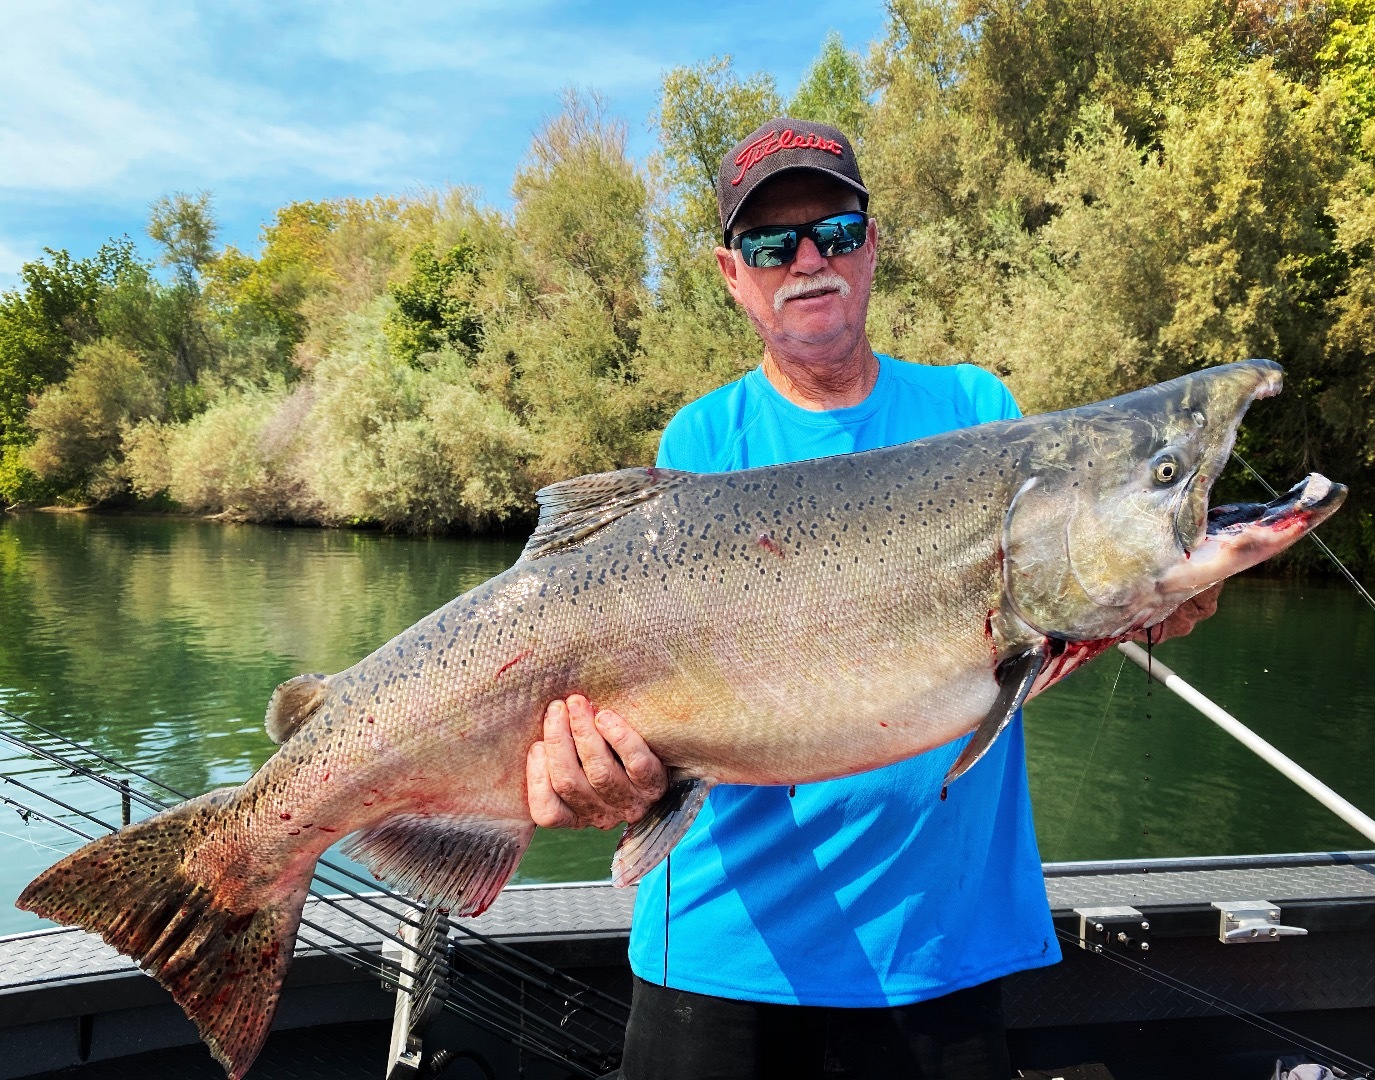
459, 862
223, 967
1015, 678
646, 842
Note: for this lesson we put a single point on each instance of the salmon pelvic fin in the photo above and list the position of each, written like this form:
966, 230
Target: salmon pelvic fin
224, 967
460, 862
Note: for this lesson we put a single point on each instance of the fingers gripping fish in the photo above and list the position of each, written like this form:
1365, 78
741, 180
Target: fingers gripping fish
773, 626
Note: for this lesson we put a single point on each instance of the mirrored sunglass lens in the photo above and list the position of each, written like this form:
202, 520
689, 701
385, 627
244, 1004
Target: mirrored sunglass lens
768, 247
839, 236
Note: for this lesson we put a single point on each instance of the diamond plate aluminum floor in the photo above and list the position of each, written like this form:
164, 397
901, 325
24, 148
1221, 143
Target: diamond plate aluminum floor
520, 912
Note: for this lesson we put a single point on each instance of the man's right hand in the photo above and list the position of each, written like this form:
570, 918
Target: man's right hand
590, 770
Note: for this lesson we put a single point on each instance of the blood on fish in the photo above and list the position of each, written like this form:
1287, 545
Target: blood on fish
768, 543
326, 828
883, 723
286, 816
510, 663
239, 923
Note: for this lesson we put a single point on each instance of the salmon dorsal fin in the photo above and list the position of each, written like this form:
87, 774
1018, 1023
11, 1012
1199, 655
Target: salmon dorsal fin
572, 510
292, 703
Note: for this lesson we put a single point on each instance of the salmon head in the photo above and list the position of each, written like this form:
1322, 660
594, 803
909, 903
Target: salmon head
1111, 531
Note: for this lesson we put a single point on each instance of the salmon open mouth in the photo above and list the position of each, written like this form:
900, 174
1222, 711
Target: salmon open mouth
1241, 535
1314, 495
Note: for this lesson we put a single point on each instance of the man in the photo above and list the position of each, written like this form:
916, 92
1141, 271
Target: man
856, 927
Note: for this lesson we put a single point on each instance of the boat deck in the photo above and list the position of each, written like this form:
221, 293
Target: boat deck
68, 1002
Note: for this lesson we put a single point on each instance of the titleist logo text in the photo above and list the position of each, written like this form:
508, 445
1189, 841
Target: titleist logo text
775, 141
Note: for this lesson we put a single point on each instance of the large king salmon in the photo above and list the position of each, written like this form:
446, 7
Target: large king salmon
777, 625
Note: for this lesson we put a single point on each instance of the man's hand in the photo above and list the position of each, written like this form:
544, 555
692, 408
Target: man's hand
590, 770
1182, 619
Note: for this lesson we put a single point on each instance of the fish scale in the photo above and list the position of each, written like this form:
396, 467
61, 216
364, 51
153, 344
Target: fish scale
772, 626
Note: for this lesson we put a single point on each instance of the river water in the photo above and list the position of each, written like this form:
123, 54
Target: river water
158, 641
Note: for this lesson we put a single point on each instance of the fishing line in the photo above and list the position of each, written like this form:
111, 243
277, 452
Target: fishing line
57, 802
1312, 536
32, 842
1102, 723
26, 812
1204, 997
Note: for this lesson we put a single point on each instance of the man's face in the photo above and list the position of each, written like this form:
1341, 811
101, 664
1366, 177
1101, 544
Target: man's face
813, 307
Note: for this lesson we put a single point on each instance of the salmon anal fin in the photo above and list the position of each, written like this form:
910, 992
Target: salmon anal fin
458, 862
646, 842
291, 705
1015, 677
572, 510
223, 967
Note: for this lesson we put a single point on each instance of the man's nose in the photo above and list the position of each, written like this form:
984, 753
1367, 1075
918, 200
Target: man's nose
808, 260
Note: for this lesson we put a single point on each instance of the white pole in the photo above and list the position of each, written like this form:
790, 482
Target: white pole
1353, 816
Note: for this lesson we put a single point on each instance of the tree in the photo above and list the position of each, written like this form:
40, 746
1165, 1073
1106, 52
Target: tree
434, 306
79, 424
184, 227
832, 91
704, 110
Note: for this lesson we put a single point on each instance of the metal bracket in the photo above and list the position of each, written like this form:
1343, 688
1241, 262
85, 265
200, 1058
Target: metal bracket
422, 986
1252, 921
1118, 929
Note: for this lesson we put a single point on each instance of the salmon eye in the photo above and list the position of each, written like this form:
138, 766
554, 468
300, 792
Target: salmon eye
1166, 469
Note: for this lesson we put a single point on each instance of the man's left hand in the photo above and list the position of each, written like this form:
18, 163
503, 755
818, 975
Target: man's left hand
1182, 619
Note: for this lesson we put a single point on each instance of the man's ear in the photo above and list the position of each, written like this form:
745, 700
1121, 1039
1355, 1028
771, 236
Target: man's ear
730, 270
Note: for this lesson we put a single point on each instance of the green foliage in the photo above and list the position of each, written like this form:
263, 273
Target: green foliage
1347, 59
184, 227
42, 323
832, 91
434, 306
78, 425
704, 110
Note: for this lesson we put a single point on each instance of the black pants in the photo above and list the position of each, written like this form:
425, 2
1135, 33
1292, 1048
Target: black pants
677, 1035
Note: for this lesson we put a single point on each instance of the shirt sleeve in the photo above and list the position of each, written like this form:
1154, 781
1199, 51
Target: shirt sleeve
992, 400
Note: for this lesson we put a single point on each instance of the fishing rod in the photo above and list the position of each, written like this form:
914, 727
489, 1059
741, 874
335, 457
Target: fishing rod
557, 1032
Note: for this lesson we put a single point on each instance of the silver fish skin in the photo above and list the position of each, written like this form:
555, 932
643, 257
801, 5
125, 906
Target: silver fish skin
776, 625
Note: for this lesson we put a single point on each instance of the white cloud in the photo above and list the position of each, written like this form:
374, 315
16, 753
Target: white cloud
531, 44
105, 100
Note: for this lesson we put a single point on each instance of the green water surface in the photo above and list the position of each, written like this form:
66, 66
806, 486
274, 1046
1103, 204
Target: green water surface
158, 641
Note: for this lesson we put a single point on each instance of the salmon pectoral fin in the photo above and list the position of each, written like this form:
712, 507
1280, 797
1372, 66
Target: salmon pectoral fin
646, 842
1015, 676
224, 967
458, 862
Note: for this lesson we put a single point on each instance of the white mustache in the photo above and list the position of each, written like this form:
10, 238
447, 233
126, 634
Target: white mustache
790, 289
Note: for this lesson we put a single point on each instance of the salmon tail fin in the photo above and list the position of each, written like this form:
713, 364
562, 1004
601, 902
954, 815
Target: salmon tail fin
458, 862
224, 967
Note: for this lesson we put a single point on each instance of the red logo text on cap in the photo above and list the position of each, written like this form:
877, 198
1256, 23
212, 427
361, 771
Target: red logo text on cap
775, 141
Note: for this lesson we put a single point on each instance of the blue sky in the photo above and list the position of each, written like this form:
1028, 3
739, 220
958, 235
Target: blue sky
106, 106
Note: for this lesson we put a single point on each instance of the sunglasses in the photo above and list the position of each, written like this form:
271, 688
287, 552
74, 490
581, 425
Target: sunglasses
776, 245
